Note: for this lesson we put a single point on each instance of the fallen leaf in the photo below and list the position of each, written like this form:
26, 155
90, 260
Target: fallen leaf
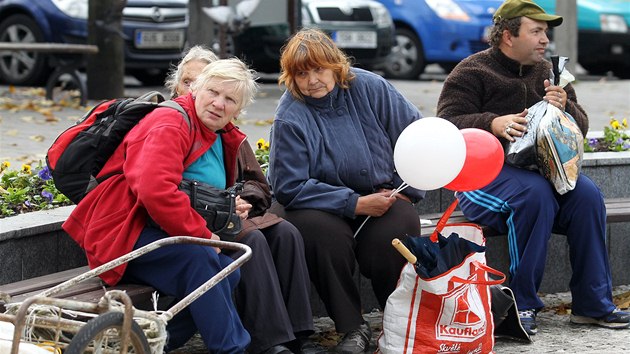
38, 138
27, 119
12, 132
264, 122
51, 119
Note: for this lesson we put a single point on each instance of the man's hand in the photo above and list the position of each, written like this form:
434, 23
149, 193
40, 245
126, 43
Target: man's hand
555, 95
375, 204
510, 125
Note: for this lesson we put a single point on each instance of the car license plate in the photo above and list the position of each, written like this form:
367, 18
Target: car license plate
159, 39
354, 39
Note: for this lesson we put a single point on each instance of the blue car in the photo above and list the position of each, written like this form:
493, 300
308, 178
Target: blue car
154, 32
436, 31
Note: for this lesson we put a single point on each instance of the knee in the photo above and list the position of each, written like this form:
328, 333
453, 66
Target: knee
586, 192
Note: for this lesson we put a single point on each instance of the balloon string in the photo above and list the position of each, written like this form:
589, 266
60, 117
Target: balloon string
394, 192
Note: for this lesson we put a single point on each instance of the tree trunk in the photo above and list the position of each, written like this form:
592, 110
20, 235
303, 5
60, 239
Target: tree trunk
201, 27
566, 34
106, 70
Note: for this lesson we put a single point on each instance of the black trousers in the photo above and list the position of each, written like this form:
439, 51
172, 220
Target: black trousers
332, 253
273, 296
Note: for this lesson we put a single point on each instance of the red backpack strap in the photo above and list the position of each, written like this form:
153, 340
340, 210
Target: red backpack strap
443, 220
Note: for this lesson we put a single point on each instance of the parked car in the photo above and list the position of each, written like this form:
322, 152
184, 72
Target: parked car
155, 34
603, 35
362, 28
436, 31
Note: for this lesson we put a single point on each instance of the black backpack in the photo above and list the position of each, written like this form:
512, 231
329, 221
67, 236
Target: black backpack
80, 152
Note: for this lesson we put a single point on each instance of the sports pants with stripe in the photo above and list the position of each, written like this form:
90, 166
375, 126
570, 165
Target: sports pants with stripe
526, 207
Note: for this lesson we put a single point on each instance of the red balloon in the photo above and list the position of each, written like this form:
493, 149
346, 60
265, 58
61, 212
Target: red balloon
484, 160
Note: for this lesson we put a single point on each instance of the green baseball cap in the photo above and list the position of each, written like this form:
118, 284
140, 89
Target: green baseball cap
516, 8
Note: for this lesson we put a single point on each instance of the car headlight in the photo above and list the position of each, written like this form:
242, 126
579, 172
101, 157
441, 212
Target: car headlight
613, 23
382, 16
448, 10
73, 8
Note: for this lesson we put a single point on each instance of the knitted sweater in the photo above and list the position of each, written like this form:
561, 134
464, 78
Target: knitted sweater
488, 84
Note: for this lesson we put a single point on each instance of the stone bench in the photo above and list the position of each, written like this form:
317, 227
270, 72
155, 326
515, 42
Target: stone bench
67, 62
66, 258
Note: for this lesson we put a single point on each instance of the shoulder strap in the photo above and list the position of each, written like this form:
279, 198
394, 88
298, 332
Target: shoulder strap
180, 109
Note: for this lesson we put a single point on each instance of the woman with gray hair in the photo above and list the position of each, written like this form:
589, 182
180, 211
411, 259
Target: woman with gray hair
180, 77
142, 203
274, 284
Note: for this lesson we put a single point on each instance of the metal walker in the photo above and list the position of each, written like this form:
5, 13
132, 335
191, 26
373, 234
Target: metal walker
42, 323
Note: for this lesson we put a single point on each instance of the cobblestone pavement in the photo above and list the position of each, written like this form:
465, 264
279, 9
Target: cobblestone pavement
555, 333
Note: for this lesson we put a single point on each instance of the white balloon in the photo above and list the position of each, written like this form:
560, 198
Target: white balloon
429, 153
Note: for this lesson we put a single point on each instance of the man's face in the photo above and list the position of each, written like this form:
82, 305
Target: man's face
529, 47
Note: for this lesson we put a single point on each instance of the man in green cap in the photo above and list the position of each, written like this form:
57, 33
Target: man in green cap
492, 90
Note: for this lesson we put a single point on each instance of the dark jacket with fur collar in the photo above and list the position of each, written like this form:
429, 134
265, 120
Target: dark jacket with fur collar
488, 84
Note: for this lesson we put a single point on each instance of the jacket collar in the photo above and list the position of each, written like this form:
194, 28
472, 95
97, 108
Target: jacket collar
510, 64
326, 102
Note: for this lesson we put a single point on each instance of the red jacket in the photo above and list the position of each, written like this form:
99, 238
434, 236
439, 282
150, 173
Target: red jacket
152, 157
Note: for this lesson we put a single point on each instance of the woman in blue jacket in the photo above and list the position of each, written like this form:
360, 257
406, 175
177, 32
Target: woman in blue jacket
331, 167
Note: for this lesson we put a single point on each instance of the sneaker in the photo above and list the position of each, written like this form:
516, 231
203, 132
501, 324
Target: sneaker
355, 341
616, 320
528, 321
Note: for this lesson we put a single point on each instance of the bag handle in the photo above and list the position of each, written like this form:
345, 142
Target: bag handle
443, 220
487, 269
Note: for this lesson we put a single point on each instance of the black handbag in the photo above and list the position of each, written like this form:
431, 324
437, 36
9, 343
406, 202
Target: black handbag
216, 206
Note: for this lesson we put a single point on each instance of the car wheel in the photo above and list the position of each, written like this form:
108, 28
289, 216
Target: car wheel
622, 71
155, 77
595, 69
448, 67
21, 68
406, 61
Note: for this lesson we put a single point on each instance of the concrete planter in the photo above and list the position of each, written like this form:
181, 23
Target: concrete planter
34, 244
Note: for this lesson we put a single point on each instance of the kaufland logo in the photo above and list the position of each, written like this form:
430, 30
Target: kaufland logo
462, 318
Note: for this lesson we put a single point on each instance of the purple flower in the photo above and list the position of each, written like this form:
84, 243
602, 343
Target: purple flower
47, 195
28, 203
45, 174
592, 142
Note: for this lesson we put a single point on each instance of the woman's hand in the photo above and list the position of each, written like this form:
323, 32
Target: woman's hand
398, 195
375, 204
242, 208
510, 125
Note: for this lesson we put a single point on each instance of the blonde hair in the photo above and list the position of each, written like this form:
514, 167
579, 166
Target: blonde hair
230, 70
308, 49
197, 52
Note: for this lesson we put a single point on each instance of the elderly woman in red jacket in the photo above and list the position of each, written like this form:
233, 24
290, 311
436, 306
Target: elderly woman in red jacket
274, 284
147, 169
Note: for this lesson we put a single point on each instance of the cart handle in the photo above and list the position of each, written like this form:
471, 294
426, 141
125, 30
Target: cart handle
173, 240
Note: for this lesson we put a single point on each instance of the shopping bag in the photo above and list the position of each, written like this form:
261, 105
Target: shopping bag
450, 312
553, 143
559, 149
